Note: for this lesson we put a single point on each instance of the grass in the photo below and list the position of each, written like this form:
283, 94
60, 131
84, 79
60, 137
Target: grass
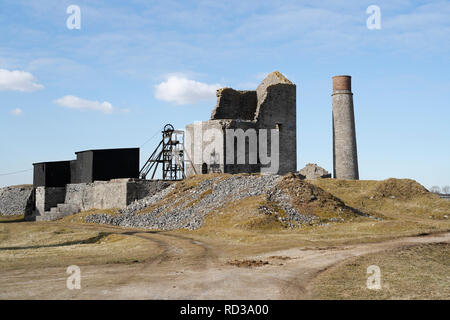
248, 218
314, 200
417, 272
80, 217
392, 198
412, 212
37, 244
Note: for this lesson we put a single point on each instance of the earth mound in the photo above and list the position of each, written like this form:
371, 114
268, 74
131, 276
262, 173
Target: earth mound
399, 188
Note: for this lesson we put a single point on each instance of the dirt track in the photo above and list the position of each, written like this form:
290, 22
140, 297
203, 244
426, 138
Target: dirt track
184, 268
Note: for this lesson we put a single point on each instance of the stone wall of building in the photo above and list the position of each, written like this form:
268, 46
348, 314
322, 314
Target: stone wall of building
117, 193
47, 198
97, 195
235, 104
138, 189
204, 146
272, 107
277, 109
53, 203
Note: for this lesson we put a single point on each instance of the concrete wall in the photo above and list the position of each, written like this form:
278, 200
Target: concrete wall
97, 195
47, 198
54, 203
116, 193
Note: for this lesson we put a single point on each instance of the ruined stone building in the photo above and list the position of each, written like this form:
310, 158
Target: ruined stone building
312, 171
262, 120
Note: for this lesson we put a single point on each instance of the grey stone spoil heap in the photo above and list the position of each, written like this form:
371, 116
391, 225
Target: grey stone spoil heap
188, 209
16, 200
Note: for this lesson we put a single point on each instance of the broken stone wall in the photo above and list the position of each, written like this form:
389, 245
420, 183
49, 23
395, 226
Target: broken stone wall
234, 104
275, 101
138, 189
312, 171
277, 108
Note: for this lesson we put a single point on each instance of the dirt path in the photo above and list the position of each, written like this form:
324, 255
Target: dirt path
185, 268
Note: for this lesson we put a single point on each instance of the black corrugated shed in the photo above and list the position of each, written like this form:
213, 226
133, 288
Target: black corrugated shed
51, 174
90, 166
105, 164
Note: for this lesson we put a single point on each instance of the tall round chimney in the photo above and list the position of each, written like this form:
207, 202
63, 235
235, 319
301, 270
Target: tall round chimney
345, 158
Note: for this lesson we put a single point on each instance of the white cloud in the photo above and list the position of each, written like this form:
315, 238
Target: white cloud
18, 81
181, 90
16, 112
74, 102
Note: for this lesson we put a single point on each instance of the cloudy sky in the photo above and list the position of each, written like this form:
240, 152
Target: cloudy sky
133, 67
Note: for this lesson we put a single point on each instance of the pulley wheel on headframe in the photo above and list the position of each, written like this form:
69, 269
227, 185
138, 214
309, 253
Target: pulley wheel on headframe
169, 128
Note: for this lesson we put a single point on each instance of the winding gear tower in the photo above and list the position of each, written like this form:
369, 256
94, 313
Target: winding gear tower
169, 153
345, 158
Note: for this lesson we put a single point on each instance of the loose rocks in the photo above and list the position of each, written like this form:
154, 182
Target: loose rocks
185, 204
16, 200
313, 171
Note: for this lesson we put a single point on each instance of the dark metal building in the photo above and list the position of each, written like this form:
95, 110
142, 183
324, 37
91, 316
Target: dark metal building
104, 165
90, 166
51, 174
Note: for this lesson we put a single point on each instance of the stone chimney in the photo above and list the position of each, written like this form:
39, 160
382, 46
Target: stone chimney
345, 157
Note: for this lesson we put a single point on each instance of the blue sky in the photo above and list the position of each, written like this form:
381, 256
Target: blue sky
136, 65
